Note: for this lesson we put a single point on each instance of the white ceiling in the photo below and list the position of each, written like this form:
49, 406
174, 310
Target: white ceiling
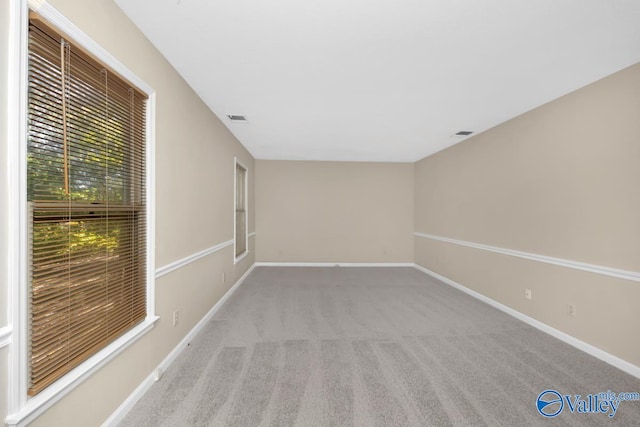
383, 80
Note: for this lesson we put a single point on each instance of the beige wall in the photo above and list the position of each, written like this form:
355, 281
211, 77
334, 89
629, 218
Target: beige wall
334, 211
561, 180
194, 171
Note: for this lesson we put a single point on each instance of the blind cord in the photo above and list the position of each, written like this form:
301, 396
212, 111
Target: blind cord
65, 58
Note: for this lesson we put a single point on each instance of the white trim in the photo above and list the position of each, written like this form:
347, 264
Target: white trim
242, 256
576, 265
21, 408
621, 364
119, 414
191, 258
17, 183
334, 264
5, 336
150, 182
48, 397
236, 163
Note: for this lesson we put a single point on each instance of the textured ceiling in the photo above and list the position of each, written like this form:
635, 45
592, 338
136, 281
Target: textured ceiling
383, 80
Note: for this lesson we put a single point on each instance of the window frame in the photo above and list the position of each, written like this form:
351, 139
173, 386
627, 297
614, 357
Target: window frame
236, 163
22, 409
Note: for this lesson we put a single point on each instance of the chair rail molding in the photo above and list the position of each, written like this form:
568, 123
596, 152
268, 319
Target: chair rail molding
576, 265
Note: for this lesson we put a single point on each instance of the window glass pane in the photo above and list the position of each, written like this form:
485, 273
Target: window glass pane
241, 214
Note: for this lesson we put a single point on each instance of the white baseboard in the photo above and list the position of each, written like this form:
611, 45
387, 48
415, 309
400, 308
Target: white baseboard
334, 264
621, 364
119, 414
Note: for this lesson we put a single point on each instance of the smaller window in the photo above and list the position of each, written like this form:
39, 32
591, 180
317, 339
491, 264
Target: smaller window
241, 211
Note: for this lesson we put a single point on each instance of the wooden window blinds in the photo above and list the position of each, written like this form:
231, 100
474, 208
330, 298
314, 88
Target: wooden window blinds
86, 202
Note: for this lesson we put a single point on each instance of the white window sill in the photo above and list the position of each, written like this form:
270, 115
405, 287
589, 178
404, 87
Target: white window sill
45, 399
241, 257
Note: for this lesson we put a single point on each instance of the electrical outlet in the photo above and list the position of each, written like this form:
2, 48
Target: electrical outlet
571, 310
527, 293
224, 278
176, 317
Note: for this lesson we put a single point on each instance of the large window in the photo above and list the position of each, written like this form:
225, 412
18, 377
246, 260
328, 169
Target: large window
241, 211
86, 202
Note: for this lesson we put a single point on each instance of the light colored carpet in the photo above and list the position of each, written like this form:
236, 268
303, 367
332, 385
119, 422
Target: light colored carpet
370, 347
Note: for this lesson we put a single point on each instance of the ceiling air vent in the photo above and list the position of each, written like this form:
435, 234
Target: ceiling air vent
237, 118
464, 133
